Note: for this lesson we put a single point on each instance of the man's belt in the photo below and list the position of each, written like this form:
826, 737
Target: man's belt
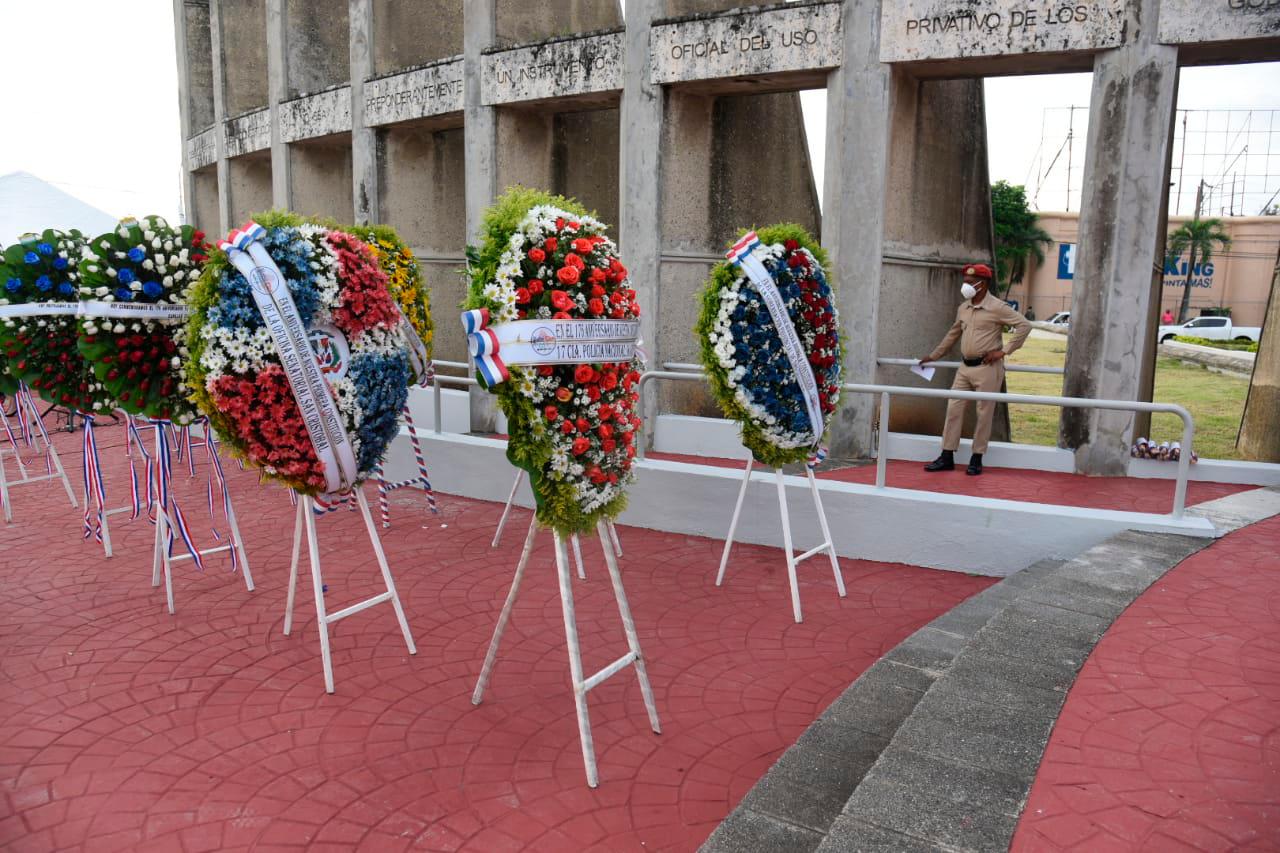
972, 362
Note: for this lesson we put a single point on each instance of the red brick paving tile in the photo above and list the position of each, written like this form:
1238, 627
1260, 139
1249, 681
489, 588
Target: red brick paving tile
1208, 762
210, 730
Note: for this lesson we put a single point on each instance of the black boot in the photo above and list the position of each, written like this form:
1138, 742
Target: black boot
945, 462
975, 465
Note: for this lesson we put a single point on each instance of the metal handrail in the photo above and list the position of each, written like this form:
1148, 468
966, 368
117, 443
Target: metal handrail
436, 381
902, 362
885, 391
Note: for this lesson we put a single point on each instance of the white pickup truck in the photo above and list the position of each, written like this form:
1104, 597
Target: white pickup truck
1213, 328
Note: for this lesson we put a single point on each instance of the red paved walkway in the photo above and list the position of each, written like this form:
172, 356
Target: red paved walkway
1120, 493
1170, 739
123, 728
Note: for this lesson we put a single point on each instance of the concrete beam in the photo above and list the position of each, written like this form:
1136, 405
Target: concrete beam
1118, 263
220, 115
479, 28
859, 110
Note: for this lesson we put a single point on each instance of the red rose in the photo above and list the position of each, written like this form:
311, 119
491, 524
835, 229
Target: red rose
535, 287
628, 437
610, 381
617, 313
631, 451
561, 300
561, 315
574, 226
583, 425
593, 392
522, 296
613, 478
583, 246
606, 412
559, 223
551, 413
567, 275
605, 431
581, 445
567, 427
550, 244
791, 245
608, 445
563, 394
597, 277
595, 475
596, 307
546, 370
596, 290
537, 255
572, 260
582, 375
795, 261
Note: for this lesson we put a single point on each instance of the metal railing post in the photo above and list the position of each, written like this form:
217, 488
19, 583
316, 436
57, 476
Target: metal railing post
882, 443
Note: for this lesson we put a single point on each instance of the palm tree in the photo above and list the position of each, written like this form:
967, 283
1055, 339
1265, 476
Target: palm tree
1201, 237
1017, 232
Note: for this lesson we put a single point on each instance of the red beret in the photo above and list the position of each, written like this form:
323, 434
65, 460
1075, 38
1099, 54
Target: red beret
979, 270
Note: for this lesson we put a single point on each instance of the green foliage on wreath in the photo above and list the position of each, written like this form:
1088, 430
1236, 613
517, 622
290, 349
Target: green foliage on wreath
723, 275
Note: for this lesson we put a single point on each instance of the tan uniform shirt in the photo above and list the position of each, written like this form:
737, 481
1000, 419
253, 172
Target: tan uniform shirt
980, 329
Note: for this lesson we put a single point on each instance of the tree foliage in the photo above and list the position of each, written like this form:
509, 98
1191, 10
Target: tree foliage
1018, 233
1200, 237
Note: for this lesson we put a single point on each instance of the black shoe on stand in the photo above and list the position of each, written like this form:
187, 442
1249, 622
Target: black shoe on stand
945, 462
975, 465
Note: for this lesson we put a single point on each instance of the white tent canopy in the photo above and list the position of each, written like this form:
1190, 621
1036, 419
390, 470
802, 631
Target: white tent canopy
30, 204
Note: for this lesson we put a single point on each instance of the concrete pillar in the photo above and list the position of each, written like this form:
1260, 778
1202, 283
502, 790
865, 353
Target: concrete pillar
364, 140
640, 177
220, 114
277, 91
1118, 262
1260, 428
859, 106
185, 70
479, 24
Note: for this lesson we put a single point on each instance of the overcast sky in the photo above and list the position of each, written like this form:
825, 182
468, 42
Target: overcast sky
100, 118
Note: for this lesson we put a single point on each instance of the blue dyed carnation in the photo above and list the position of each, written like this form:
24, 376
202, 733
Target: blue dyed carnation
44, 283
44, 248
152, 288
13, 285
126, 276
382, 386
67, 289
136, 255
124, 294
31, 258
59, 263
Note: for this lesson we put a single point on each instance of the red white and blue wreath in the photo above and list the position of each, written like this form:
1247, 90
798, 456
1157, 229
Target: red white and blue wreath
770, 343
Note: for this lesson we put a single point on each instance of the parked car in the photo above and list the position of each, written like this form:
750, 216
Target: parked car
1062, 318
1212, 328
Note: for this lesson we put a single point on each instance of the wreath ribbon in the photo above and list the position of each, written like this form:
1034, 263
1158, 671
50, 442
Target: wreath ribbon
310, 388
744, 254
533, 342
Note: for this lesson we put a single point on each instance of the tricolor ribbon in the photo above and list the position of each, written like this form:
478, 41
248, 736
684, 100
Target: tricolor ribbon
94, 492
816, 458
482, 344
310, 388
163, 480
385, 487
744, 254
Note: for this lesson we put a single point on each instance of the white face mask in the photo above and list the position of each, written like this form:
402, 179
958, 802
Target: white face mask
968, 290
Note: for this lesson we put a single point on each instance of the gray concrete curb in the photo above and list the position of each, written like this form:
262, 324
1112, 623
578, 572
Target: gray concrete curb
935, 746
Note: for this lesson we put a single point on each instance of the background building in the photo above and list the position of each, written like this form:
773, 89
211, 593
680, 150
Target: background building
1239, 278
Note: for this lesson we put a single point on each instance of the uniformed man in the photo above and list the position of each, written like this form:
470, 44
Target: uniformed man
979, 326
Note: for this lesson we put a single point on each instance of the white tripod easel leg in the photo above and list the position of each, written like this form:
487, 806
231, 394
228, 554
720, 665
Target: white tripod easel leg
506, 510
826, 532
238, 542
733, 525
577, 556
306, 507
386, 572
613, 536
162, 557
580, 686
4, 484
293, 569
786, 545
492, 655
629, 627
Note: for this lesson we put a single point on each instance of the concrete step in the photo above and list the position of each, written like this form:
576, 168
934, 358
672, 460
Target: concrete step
794, 805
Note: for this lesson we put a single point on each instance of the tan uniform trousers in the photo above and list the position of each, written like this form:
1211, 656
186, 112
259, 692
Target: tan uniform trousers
984, 377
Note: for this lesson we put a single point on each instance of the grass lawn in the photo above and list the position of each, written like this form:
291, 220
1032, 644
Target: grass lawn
1214, 400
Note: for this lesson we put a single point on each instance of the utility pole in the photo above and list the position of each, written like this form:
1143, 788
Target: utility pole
1191, 260
1071, 130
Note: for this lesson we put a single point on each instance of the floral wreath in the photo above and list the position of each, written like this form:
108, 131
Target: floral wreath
751, 376
404, 277
140, 360
572, 426
41, 349
235, 374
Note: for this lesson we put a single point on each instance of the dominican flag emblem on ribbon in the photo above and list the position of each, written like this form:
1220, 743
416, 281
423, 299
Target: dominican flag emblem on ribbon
241, 237
743, 248
482, 343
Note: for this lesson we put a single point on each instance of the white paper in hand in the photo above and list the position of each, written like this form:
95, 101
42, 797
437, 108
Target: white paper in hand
925, 373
